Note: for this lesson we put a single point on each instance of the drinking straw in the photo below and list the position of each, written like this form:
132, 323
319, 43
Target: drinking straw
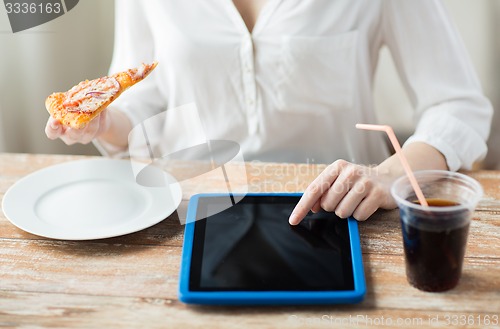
402, 158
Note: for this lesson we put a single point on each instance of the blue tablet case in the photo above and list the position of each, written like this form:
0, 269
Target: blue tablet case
278, 297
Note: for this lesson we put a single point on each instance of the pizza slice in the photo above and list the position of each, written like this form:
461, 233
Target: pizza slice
82, 103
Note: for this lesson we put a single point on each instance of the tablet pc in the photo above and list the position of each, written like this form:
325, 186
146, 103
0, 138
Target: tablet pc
248, 253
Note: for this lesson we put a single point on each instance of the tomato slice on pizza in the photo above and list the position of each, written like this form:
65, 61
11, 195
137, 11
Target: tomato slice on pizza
82, 103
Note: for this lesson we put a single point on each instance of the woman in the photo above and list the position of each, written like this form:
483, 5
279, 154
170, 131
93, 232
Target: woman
289, 79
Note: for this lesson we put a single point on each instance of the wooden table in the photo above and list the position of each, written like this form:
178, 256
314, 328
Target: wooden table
131, 281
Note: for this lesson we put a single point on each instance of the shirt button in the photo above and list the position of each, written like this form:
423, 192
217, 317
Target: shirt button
250, 102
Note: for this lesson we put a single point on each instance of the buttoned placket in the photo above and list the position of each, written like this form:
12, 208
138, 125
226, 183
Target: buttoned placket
247, 58
249, 83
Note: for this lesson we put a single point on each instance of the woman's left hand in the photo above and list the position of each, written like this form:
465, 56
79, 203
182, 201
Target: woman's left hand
348, 190
354, 190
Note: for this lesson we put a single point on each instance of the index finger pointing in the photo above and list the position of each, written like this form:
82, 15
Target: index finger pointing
313, 193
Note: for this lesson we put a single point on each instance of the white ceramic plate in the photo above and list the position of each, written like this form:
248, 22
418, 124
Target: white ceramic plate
89, 199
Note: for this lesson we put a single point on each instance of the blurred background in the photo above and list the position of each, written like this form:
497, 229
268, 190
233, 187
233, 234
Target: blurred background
78, 45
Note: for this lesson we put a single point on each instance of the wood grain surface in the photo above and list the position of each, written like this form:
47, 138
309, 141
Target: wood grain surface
131, 281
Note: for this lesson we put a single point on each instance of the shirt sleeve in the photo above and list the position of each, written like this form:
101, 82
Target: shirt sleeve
452, 113
133, 45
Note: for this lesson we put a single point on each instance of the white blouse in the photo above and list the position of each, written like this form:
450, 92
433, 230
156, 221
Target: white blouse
294, 88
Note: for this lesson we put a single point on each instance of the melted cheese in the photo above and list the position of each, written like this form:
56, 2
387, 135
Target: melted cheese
88, 96
138, 72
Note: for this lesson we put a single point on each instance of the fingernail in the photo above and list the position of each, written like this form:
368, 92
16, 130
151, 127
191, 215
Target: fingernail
293, 219
54, 126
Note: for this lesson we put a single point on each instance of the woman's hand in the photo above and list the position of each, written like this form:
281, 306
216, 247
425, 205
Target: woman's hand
348, 190
54, 129
111, 127
354, 190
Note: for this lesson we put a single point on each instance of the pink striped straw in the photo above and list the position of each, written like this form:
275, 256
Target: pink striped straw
402, 158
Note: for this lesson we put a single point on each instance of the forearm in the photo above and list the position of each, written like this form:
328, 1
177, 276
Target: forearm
420, 156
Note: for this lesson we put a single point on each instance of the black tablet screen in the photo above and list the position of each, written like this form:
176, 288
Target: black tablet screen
251, 247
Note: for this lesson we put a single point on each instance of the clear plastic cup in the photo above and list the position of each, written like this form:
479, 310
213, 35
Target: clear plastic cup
435, 237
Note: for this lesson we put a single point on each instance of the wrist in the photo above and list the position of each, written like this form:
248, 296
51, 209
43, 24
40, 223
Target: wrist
420, 156
116, 127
